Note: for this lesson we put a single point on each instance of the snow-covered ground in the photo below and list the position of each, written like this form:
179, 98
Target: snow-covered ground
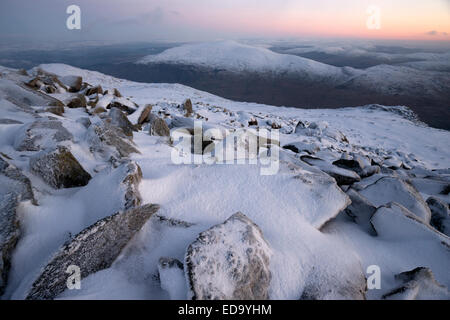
316, 248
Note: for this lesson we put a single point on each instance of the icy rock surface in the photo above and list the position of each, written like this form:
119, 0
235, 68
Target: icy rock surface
229, 261
440, 215
59, 168
93, 249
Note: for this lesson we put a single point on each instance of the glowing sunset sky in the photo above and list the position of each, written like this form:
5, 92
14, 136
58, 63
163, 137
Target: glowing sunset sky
211, 19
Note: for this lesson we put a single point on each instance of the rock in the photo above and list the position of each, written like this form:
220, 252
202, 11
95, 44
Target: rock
131, 182
78, 101
119, 119
418, 284
93, 249
73, 83
390, 189
361, 211
298, 147
84, 121
41, 134
9, 234
18, 183
114, 92
145, 114
342, 176
94, 90
59, 169
104, 136
232, 253
440, 215
358, 166
56, 110
158, 127
123, 104
187, 106
172, 279
98, 110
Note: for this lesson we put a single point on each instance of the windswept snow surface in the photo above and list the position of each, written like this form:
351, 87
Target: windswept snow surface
290, 207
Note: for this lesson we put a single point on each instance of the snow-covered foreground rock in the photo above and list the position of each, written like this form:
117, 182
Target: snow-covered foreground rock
321, 195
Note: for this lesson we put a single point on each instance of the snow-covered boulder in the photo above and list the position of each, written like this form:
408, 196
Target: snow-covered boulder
108, 139
358, 165
440, 215
158, 127
229, 261
342, 176
418, 284
390, 189
73, 83
17, 182
59, 168
41, 134
361, 211
119, 119
93, 249
172, 278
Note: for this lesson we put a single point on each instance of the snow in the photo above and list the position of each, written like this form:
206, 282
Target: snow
289, 207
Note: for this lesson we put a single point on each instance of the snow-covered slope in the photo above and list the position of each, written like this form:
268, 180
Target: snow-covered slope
318, 248
237, 57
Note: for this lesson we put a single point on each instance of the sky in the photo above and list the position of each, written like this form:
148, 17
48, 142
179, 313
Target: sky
202, 20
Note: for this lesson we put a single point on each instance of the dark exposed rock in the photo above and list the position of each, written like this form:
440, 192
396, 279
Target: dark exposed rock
93, 249
78, 101
418, 284
131, 182
98, 110
234, 251
73, 83
145, 114
94, 90
358, 166
124, 105
440, 215
119, 119
361, 211
59, 169
342, 176
40, 133
114, 92
187, 106
57, 110
158, 127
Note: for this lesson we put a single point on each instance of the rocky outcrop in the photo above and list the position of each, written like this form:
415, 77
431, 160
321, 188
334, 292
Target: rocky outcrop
232, 253
440, 215
59, 168
119, 119
41, 134
390, 189
418, 284
361, 211
93, 249
158, 127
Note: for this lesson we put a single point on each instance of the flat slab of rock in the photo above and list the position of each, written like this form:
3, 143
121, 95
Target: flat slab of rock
342, 176
229, 261
390, 189
93, 249
60, 169
361, 211
158, 127
119, 119
418, 284
440, 215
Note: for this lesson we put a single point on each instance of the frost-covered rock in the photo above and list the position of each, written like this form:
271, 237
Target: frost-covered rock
9, 234
158, 127
342, 176
119, 119
172, 278
73, 83
357, 165
440, 215
361, 211
17, 182
418, 284
131, 183
389, 189
59, 168
77, 101
106, 138
93, 249
41, 134
229, 261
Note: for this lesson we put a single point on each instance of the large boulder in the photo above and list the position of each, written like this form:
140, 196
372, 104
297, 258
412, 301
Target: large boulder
440, 215
342, 176
187, 106
361, 211
107, 139
119, 119
59, 168
357, 165
390, 189
77, 101
145, 114
93, 249
73, 83
229, 261
418, 284
41, 134
158, 127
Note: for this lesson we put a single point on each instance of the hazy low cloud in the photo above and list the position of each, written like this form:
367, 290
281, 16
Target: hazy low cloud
436, 33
